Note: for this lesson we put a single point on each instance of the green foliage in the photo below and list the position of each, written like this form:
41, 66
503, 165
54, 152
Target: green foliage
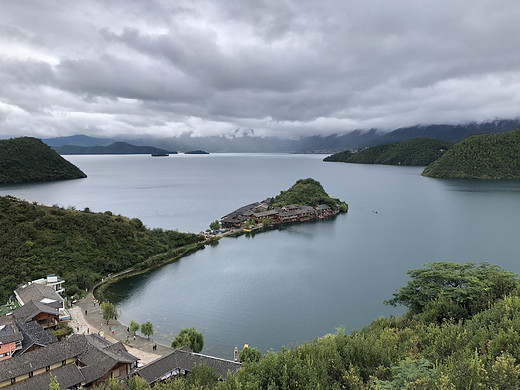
307, 192
54, 385
249, 355
486, 156
28, 159
147, 329
82, 247
447, 290
415, 152
190, 337
134, 326
215, 225
202, 376
109, 311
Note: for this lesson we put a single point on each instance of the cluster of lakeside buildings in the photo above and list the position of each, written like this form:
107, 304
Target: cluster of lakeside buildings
259, 213
30, 353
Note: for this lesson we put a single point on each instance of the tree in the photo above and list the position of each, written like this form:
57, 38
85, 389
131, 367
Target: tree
472, 288
190, 337
215, 225
109, 311
201, 377
134, 326
249, 355
147, 329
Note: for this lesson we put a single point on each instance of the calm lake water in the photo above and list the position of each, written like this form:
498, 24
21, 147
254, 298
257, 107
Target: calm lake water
286, 286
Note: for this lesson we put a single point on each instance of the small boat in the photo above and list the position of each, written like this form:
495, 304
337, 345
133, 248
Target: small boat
160, 154
247, 230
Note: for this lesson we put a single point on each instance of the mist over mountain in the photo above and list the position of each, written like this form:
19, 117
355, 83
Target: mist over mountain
248, 142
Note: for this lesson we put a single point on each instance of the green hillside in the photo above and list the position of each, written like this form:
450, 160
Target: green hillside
307, 192
486, 156
81, 246
114, 148
414, 152
28, 159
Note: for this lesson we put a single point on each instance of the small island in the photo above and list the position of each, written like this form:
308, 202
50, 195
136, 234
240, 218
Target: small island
306, 200
28, 159
196, 152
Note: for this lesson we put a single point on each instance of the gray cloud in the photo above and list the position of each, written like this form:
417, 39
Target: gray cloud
285, 68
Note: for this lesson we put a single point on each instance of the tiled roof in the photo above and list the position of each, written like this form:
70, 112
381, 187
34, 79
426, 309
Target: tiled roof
184, 359
67, 377
37, 292
31, 309
34, 334
8, 330
97, 355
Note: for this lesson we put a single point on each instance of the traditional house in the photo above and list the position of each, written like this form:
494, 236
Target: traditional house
34, 336
324, 210
10, 337
80, 360
53, 281
266, 215
45, 315
180, 362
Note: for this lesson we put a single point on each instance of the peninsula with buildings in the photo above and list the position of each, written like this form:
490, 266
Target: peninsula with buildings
305, 201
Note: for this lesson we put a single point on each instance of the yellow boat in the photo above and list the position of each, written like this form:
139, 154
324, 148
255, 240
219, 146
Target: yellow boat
247, 230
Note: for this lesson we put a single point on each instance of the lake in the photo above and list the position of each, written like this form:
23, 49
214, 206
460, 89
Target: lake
288, 285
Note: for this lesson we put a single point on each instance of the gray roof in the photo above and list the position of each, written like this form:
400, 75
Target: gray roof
34, 334
67, 376
184, 359
9, 332
39, 292
267, 213
31, 309
89, 350
323, 206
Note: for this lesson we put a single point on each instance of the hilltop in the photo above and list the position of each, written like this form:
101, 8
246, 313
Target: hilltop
415, 152
487, 156
81, 246
28, 159
307, 192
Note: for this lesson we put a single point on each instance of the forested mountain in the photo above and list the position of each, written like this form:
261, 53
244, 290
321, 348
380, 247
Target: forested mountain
416, 151
114, 148
81, 246
28, 159
487, 156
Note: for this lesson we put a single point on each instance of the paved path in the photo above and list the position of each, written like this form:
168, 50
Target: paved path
87, 318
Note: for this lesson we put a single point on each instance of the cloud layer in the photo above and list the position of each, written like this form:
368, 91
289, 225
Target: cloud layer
283, 68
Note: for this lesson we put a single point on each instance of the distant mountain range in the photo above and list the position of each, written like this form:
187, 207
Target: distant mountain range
114, 148
312, 144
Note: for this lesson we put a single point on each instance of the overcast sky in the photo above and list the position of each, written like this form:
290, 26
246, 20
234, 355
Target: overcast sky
282, 68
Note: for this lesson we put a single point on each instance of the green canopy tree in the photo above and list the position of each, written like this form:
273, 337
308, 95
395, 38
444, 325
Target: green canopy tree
190, 337
249, 355
147, 329
461, 289
109, 311
215, 225
134, 326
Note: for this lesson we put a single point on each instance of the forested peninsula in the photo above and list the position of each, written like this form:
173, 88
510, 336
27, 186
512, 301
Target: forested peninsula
486, 156
413, 152
81, 246
28, 159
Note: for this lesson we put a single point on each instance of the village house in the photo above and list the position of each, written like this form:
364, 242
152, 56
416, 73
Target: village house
10, 337
80, 361
180, 362
34, 336
46, 316
42, 294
